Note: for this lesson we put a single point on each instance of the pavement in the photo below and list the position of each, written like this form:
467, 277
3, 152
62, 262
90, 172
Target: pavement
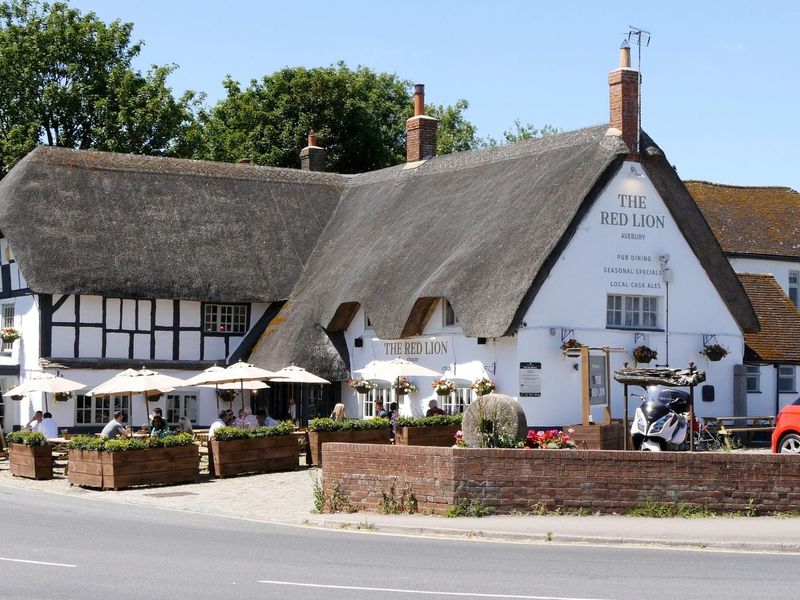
288, 499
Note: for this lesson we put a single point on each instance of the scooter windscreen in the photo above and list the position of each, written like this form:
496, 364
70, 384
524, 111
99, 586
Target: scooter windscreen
656, 405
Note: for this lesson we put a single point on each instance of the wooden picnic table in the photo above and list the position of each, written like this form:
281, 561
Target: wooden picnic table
728, 426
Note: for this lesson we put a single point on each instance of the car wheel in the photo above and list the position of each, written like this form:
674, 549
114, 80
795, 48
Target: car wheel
790, 444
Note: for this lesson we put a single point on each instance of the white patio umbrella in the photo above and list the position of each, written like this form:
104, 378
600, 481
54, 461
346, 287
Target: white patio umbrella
142, 381
294, 374
248, 385
47, 383
239, 372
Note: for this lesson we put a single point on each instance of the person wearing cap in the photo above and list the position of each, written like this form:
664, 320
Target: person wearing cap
433, 409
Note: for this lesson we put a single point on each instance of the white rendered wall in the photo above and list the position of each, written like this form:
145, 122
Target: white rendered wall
25, 353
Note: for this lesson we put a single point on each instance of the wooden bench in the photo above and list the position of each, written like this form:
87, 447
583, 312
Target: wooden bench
728, 426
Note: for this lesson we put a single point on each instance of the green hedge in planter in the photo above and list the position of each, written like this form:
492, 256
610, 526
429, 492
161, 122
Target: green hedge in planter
27, 438
224, 434
433, 421
348, 424
88, 442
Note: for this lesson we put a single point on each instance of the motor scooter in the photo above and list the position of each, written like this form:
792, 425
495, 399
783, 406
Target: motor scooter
659, 423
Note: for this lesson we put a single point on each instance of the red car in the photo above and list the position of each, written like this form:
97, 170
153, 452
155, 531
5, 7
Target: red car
786, 437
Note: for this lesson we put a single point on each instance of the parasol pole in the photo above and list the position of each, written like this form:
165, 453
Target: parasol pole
45, 401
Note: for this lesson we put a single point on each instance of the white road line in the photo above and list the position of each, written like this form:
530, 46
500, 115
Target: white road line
36, 562
426, 592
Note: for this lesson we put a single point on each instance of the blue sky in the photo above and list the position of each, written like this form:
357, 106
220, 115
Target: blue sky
720, 92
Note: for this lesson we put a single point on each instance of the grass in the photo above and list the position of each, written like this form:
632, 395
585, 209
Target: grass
474, 509
667, 510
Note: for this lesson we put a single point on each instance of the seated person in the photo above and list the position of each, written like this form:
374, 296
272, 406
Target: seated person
338, 412
33, 424
223, 421
379, 410
159, 428
48, 426
115, 426
264, 420
433, 409
184, 425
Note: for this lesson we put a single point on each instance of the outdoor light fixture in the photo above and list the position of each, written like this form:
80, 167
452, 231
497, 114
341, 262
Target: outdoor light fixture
635, 172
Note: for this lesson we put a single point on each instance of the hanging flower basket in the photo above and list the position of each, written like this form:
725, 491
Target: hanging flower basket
361, 385
62, 396
571, 348
9, 335
483, 386
714, 352
443, 387
643, 354
403, 386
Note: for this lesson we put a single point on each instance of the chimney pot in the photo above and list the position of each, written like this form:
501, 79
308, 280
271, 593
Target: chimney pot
623, 84
419, 99
625, 55
312, 138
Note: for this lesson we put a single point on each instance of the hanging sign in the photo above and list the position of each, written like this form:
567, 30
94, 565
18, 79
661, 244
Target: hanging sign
530, 379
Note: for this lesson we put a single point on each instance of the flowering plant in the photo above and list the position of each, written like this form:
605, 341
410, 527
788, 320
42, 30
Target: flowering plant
714, 351
61, 396
361, 385
643, 354
570, 344
443, 387
9, 335
460, 443
552, 438
403, 386
483, 386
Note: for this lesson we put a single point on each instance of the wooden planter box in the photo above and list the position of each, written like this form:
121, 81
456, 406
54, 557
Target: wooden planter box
596, 437
255, 455
115, 470
33, 462
364, 436
442, 435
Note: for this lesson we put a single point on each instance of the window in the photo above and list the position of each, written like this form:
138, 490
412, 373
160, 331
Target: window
786, 380
457, 402
448, 315
225, 318
8, 321
632, 312
181, 405
98, 410
794, 287
753, 378
368, 401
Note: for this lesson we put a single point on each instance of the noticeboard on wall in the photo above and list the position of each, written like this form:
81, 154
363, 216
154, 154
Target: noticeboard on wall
530, 379
598, 379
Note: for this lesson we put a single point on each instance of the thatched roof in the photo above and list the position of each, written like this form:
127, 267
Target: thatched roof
82, 222
779, 338
751, 220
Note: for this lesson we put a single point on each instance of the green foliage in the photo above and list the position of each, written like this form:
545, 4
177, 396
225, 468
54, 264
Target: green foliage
26, 438
66, 80
454, 133
243, 433
664, 510
434, 421
88, 442
521, 132
339, 502
394, 504
326, 424
319, 491
472, 509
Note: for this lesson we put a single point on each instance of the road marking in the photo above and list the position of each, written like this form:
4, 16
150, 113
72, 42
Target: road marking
37, 562
426, 592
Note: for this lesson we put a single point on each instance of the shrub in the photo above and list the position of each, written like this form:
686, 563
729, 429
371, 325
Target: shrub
27, 438
89, 442
224, 434
434, 421
348, 424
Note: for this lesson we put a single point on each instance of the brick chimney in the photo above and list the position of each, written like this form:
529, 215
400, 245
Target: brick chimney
420, 130
623, 86
312, 157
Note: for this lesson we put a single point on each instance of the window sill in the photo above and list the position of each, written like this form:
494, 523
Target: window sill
620, 328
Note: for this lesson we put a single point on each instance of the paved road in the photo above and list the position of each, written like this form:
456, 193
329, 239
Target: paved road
80, 549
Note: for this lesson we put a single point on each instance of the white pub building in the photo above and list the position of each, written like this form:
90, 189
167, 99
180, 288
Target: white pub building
476, 264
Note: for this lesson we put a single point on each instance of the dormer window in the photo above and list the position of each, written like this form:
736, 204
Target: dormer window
225, 318
448, 314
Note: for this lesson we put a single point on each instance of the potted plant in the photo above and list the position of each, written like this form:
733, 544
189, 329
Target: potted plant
437, 430
714, 352
643, 354
237, 450
550, 439
443, 387
358, 431
403, 386
483, 386
125, 462
571, 348
9, 335
62, 396
29, 455
361, 385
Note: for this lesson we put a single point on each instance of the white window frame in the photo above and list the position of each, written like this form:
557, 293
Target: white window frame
368, 401
181, 405
794, 287
225, 318
101, 408
9, 311
449, 318
753, 379
457, 401
787, 382
632, 312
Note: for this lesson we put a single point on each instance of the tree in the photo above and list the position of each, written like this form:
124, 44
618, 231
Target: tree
521, 132
66, 80
359, 116
455, 133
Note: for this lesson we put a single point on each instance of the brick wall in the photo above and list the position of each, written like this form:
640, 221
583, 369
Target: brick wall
602, 481
420, 138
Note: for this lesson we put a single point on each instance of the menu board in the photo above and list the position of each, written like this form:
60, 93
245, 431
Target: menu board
530, 379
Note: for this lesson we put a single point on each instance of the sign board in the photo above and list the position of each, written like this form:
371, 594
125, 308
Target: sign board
530, 379
598, 379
